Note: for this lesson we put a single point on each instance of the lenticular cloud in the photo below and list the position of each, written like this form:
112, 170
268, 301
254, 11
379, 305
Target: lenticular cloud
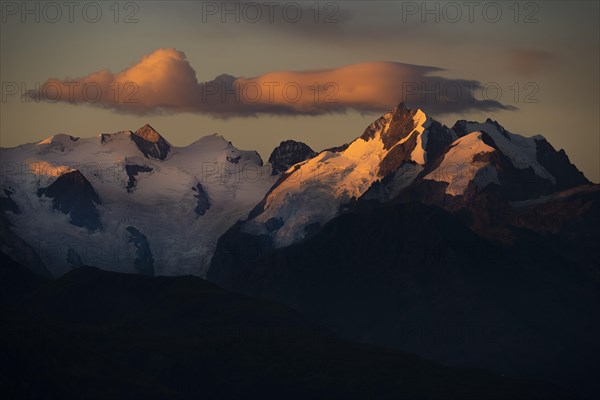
165, 82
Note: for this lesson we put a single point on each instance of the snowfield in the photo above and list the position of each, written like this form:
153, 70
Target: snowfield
160, 203
162, 208
314, 190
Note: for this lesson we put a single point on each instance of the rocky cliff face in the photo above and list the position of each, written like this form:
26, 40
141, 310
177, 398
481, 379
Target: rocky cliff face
74, 195
151, 143
288, 153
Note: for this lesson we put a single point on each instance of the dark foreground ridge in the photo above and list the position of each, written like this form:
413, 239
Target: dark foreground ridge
96, 335
415, 277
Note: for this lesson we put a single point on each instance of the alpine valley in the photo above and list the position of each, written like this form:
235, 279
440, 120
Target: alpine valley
471, 246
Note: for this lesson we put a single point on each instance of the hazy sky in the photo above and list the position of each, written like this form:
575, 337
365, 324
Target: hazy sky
533, 66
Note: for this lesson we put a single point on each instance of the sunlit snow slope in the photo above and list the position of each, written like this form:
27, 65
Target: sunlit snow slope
404, 151
132, 199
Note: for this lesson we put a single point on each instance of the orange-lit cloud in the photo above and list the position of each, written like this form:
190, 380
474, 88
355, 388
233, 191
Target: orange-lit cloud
164, 81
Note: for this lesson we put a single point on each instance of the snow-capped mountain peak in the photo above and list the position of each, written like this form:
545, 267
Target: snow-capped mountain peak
58, 139
313, 191
151, 143
150, 191
402, 149
462, 164
148, 133
166, 204
486, 153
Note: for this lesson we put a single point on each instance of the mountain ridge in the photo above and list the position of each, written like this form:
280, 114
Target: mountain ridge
139, 177
400, 150
410, 224
291, 196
